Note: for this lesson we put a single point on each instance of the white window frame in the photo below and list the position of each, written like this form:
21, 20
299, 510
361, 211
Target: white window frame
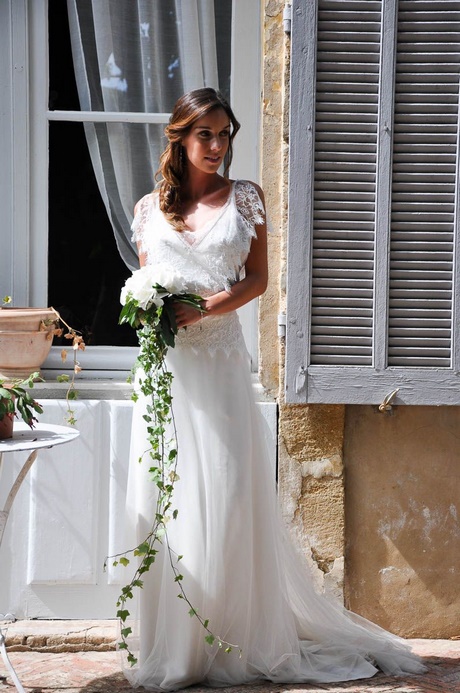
305, 382
24, 264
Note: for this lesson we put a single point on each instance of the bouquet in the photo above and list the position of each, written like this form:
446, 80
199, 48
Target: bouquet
148, 298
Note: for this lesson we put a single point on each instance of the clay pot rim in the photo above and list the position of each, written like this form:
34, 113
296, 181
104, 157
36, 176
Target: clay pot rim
27, 332
28, 309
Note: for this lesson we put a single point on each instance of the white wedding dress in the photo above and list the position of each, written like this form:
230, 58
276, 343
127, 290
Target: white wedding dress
240, 570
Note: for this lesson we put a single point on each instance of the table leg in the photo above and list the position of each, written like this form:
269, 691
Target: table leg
8, 664
14, 489
3, 520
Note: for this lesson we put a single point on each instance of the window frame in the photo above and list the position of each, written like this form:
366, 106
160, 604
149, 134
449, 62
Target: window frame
27, 198
305, 382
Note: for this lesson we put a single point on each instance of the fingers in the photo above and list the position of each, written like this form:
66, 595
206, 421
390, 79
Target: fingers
186, 315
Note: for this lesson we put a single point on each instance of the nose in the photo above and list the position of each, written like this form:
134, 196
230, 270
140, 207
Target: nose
216, 144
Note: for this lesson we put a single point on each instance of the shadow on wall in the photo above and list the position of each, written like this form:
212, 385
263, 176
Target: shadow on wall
402, 507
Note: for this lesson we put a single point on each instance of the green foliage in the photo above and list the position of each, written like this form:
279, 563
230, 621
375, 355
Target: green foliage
16, 400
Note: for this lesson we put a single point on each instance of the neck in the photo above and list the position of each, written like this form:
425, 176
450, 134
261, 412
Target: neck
199, 184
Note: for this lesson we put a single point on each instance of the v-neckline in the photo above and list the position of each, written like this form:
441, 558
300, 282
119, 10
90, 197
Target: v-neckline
205, 230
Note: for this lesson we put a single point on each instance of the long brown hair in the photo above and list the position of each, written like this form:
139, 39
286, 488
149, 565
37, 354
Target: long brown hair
187, 110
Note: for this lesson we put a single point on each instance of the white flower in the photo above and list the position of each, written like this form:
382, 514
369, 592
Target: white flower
167, 277
140, 286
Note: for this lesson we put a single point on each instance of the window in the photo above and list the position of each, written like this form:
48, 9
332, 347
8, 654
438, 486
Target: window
48, 246
373, 272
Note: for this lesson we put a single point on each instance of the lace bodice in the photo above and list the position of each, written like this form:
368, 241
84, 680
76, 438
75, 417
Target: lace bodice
209, 259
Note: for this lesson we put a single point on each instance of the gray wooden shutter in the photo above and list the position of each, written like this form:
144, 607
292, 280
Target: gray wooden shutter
372, 243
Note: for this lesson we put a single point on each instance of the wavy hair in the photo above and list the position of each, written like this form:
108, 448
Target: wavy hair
173, 164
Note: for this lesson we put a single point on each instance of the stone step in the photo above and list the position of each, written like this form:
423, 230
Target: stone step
38, 635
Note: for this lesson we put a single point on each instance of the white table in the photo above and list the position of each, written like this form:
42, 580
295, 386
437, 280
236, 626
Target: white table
29, 440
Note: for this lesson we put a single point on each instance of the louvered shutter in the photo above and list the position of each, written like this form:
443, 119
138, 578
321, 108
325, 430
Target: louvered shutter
372, 248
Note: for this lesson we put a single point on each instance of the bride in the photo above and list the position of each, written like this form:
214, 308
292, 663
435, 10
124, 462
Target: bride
240, 570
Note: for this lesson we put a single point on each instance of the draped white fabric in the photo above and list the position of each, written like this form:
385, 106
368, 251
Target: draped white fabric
136, 56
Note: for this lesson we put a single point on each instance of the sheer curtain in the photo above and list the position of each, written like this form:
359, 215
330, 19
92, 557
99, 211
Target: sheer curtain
136, 56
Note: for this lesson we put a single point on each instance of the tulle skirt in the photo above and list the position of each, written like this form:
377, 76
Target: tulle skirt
240, 571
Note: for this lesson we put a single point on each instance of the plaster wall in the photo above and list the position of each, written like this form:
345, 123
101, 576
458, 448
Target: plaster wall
402, 481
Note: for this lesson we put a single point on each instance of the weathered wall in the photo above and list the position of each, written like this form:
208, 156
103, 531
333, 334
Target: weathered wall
398, 508
273, 170
402, 510
310, 438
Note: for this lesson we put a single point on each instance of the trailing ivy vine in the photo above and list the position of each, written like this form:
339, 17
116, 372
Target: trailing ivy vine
148, 306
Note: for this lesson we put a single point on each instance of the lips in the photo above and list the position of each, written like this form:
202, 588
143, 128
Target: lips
213, 160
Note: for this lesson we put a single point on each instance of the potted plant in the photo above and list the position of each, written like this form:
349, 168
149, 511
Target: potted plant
15, 400
26, 335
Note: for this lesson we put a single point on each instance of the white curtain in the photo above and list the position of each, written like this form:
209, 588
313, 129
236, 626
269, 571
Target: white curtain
136, 56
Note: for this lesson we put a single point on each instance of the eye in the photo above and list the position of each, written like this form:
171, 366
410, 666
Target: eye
204, 134
225, 133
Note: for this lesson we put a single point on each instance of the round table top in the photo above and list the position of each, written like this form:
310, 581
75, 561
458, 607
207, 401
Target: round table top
41, 436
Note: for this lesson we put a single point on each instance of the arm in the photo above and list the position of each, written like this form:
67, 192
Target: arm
253, 284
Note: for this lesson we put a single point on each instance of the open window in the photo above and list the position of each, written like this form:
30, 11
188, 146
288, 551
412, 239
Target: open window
59, 245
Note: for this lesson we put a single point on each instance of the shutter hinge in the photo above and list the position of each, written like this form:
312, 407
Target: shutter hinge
281, 324
287, 18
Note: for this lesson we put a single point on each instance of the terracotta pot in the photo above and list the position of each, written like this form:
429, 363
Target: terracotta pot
26, 335
6, 427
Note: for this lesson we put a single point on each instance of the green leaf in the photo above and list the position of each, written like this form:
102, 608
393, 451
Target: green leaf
210, 639
126, 631
124, 561
122, 614
142, 549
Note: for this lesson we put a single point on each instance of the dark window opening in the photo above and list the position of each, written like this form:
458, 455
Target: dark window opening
85, 271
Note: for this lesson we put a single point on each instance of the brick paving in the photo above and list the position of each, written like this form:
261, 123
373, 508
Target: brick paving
44, 664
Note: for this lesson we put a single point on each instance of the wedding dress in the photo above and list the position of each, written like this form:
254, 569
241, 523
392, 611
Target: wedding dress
240, 570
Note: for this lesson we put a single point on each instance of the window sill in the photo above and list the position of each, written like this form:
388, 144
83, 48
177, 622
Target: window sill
87, 389
113, 389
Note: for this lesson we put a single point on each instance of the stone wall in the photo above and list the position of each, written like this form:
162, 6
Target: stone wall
375, 492
310, 438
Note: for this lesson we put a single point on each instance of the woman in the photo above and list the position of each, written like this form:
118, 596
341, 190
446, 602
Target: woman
239, 569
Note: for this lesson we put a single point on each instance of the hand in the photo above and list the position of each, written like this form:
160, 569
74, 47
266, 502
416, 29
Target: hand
186, 315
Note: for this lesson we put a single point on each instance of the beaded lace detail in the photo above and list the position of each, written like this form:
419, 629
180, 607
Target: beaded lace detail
212, 263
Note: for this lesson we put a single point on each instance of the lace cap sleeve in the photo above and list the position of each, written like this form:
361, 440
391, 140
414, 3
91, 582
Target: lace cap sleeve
143, 210
249, 205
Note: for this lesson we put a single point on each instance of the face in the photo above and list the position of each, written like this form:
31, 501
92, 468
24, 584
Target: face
207, 142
